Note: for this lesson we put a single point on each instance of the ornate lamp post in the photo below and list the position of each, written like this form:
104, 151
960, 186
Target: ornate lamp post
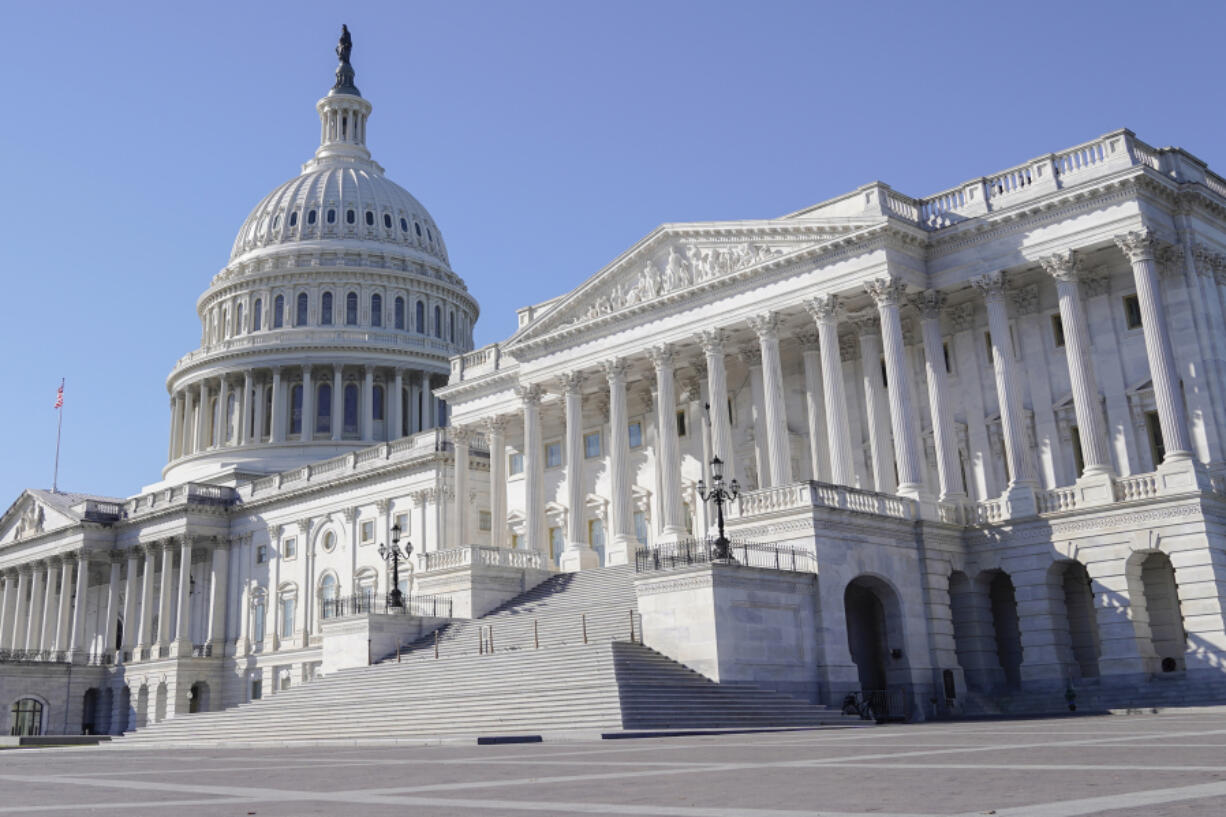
392, 554
719, 494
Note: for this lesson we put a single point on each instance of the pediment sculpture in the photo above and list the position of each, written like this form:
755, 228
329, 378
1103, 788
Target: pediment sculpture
32, 520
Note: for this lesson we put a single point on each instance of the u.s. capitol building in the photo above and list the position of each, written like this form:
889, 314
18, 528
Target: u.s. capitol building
979, 439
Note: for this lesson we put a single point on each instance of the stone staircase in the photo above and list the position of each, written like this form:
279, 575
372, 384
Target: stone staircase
607, 685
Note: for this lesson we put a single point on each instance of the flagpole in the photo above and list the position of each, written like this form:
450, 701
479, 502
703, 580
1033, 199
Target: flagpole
55, 479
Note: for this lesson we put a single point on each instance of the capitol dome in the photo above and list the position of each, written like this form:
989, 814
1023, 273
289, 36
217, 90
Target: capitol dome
330, 326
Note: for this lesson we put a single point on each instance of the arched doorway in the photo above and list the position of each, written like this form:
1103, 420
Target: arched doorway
198, 698
89, 712
142, 706
1007, 628
875, 639
106, 707
160, 703
125, 710
987, 634
26, 717
1161, 605
1073, 585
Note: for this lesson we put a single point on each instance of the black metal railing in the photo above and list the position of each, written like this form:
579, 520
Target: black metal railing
881, 705
744, 554
434, 606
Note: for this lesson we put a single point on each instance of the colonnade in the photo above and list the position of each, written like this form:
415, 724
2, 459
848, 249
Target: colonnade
830, 451
44, 620
313, 402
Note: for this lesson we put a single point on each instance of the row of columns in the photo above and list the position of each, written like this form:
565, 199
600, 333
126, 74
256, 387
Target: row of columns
44, 625
196, 427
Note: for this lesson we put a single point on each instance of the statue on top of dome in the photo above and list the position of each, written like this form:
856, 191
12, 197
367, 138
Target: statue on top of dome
344, 71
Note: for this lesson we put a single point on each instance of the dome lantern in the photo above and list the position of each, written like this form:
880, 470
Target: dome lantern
343, 113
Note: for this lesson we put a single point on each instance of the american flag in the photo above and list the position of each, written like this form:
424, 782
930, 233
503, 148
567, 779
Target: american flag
59, 396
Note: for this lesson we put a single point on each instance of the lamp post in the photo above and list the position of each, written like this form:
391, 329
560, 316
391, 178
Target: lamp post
719, 495
392, 554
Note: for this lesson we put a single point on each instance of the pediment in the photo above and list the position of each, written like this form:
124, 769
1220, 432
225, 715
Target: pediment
29, 517
676, 260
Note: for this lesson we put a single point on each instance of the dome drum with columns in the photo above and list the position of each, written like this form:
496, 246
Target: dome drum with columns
331, 325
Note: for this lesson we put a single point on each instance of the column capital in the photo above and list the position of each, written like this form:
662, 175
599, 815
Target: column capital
461, 435
712, 341
304, 525
750, 355
494, 425
662, 356
419, 499
823, 307
350, 513
930, 302
529, 393
572, 382
867, 324
808, 339
765, 325
1138, 245
991, 285
615, 369
274, 532
1026, 299
1064, 266
887, 290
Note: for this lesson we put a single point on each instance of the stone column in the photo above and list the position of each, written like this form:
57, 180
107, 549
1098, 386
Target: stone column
6, 616
79, 614
245, 408
130, 626
338, 404
578, 553
876, 404
221, 438
204, 421
397, 402
1091, 426
172, 451
1139, 247
888, 293
16, 630
257, 409
34, 624
145, 639
276, 434
672, 523
1019, 496
751, 356
167, 580
427, 402
825, 309
46, 637
460, 440
717, 393
534, 477
109, 630
217, 593
815, 413
779, 448
188, 437
621, 539
183, 635
495, 437
949, 473
308, 405
368, 404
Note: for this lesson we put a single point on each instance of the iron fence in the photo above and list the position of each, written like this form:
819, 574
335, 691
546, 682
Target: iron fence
697, 551
434, 606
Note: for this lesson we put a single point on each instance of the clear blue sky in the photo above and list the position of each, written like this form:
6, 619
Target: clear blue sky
545, 138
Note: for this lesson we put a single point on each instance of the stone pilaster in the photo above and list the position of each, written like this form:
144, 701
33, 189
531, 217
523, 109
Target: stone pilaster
495, 435
461, 438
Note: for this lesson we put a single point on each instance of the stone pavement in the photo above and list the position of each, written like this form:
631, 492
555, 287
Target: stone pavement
1169, 764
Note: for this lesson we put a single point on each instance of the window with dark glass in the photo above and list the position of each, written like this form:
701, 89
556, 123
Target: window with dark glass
256, 315
1132, 311
636, 435
323, 409
1079, 463
417, 227
310, 217
26, 717
399, 313
1153, 429
370, 218
376, 410
301, 318
451, 327
351, 309
351, 217
404, 225
1057, 330
331, 216
295, 413
438, 322
376, 310
421, 318
325, 309
293, 219
278, 312
351, 409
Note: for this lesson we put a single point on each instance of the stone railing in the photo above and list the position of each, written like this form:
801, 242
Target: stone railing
485, 555
1137, 486
483, 361
807, 495
280, 338
989, 512
1057, 499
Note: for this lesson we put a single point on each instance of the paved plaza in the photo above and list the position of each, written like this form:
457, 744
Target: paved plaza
1170, 764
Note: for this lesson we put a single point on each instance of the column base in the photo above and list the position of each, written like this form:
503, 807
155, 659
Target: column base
621, 550
927, 502
1019, 501
1182, 474
1095, 488
181, 648
579, 558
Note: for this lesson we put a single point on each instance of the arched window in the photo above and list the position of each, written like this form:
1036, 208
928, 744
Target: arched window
301, 318
323, 408
276, 221
310, 217
376, 310
376, 411
293, 219
257, 621
451, 327
351, 309
295, 410
331, 216
417, 227
351, 409
238, 319
370, 218
404, 226
256, 314
327, 587
278, 312
399, 313
350, 217
421, 318
387, 221
26, 717
438, 321
325, 309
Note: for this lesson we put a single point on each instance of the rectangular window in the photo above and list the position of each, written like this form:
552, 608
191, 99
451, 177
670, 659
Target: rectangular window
257, 689
289, 547
402, 519
555, 544
1153, 429
553, 455
1079, 463
368, 532
515, 464
640, 527
1057, 330
485, 521
636, 435
591, 445
681, 423
1132, 311
257, 624
261, 554
287, 618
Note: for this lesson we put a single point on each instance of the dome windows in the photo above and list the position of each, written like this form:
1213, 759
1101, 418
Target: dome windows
311, 216
370, 218
350, 216
331, 216
421, 318
399, 313
387, 220
276, 221
376, 310
417, 227
278, 312
257, 314
325, 309
293, 219
404, 225
351, 309
438, 322
300, 318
